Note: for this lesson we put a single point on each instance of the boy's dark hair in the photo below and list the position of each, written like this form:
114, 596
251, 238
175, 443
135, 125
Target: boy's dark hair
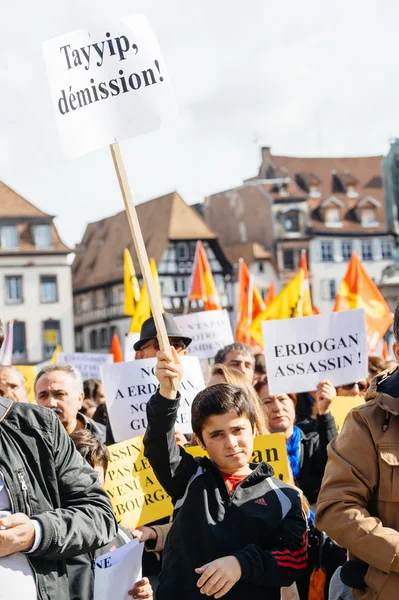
396, 323
235, 347
92, 450
218, 400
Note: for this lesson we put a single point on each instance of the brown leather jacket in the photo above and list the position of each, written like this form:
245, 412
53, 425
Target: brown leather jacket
358, 505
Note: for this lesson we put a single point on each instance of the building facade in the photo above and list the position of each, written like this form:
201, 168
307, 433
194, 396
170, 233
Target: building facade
171, 230
36, 283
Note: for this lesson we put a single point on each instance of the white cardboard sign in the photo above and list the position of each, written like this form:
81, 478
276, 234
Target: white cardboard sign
128, 387
118, 570
87, 363
107, 82
210, 331
302, 352
130, 340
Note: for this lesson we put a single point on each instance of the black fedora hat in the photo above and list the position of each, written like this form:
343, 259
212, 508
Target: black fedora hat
148, 331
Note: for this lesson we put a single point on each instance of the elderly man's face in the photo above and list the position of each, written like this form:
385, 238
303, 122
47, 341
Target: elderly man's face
151, 347
12, 385
57, 390
243, 362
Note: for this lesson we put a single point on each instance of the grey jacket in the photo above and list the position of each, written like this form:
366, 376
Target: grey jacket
48, 480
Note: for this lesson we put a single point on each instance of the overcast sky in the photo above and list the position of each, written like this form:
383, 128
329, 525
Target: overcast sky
306, 78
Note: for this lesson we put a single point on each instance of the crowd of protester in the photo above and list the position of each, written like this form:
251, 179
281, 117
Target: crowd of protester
236, 531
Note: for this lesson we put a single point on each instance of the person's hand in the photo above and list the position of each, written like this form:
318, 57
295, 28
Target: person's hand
144, 533
180, 438
141, 589
219, 576
325, 394
168, 367
17, 534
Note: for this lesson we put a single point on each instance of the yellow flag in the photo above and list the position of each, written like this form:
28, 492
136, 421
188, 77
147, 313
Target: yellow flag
56, 352
131, 284
288, 304
143, 308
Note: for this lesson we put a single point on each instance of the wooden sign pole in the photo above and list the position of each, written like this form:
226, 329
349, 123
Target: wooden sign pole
141, 251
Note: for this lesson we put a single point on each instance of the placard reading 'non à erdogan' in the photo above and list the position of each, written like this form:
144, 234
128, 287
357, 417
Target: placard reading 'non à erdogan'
302, 352
138, 498
108, 82
129, 386
210, 331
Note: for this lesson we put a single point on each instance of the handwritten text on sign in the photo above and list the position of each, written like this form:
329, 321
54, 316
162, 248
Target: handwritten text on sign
210, 331
302, 352
138, 498
87, 363
129, 386
108, 82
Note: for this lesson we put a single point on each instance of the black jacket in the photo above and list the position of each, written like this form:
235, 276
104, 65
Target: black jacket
314, 456
48, 480
262, 524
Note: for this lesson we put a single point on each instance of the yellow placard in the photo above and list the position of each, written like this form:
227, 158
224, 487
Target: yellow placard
29, 372
138, 498
340, 407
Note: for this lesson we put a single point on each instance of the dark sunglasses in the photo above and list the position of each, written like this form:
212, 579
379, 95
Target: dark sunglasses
362, 385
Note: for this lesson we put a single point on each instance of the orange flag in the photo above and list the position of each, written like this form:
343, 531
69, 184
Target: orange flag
116, 349
203, 285
316, 310
385, 351
358, 290
271, 294
250, 305
307, 309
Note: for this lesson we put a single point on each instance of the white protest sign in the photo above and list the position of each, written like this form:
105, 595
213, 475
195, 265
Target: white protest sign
129, 386
210, 331
108, 82
88, 364
130, 340
302, 352
116, 572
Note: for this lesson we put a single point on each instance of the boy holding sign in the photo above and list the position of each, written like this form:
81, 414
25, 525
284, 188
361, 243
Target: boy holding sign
237, 532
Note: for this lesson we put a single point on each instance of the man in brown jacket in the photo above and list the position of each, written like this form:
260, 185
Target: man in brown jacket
358, 505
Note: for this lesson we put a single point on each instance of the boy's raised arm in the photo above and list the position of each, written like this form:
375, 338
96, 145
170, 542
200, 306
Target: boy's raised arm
172, 465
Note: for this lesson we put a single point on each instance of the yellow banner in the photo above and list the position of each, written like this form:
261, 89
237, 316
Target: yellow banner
340, 407
137, 497
29, 373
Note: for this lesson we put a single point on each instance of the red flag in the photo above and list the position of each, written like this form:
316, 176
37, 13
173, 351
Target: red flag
203, 285
116, 349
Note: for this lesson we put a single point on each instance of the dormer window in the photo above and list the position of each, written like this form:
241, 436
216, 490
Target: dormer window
314, 191
333, 217
42, 237
366, 210
368, 217
351, 191
9, 237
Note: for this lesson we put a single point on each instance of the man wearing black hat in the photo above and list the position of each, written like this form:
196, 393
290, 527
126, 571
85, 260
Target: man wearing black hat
147, 346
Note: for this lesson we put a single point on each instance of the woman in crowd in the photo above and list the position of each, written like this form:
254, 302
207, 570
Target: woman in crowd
307, 453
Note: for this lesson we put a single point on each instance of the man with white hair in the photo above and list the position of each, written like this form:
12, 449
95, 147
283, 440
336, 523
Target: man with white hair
12, 384
60, 387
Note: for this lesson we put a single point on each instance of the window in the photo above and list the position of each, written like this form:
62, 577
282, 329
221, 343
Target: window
333, 217
386, 249
9, 237
328, 289
346, 249
19, 341
48, 289
261, 267
93, 339
182, 251
288, 258
14, 289
291, 221
368, 217
112, 330
367, 249
327, 252
103, 338
42, 236
51, 337
180, 285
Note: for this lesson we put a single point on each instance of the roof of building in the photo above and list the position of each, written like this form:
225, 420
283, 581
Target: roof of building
249, 252
99, 255
15, 207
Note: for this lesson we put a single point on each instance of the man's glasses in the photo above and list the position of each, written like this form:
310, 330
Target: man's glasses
178, 345
362, 385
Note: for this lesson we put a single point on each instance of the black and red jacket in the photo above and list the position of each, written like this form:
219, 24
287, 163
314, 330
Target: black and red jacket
261, 524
